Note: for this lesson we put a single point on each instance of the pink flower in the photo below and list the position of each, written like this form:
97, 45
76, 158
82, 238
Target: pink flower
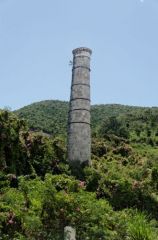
78, 209
11, 221
81, 184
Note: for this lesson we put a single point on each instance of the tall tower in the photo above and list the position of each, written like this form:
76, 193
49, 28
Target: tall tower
79, 129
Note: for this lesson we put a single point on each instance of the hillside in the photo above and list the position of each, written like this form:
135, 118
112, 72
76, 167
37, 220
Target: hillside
139, 124
114, 199
51, 115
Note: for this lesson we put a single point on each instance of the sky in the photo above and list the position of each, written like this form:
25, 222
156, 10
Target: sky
37, 38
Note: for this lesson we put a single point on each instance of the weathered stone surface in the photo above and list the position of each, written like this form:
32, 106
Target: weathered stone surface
69, 233
79, 130
79, 151
81, 116
80, 104
81, 91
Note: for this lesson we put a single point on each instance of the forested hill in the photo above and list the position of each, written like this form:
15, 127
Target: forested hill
50, 116
138, 125
116, 198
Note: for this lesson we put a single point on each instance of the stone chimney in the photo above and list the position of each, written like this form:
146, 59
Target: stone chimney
79, 128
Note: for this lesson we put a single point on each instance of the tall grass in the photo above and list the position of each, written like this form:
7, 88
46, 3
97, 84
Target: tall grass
140, 229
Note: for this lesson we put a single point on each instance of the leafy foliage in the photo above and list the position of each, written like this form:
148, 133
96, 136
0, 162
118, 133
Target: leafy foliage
51, 117
48, 116
116, 198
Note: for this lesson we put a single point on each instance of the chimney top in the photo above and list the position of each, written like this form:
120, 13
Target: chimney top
81, 49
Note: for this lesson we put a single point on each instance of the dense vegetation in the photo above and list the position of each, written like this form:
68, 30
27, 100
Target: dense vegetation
48, 116
51, 116
114, 199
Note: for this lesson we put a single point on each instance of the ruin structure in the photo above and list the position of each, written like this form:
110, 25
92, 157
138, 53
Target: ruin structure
79, 129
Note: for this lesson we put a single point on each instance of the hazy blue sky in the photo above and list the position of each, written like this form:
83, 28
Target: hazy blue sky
37, 38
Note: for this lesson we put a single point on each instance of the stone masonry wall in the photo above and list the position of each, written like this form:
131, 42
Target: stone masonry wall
79, 130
